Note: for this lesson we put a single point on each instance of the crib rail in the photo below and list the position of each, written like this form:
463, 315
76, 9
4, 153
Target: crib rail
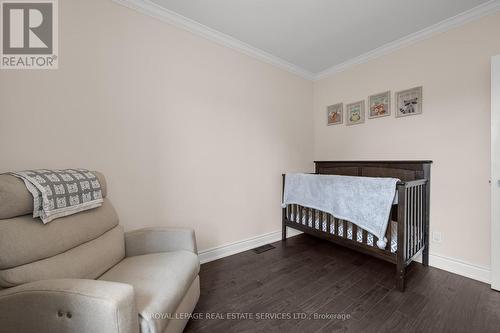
345, 233
412, 218
413, 225
326, 226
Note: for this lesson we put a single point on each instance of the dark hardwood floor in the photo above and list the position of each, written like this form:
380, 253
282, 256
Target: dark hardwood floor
304, 276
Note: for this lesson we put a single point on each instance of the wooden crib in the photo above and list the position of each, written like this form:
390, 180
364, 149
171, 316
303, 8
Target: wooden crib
410, 216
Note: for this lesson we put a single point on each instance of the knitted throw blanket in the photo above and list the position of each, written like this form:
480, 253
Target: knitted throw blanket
364, 201
58, 193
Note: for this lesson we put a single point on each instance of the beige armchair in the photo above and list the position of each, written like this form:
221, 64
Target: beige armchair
82, 273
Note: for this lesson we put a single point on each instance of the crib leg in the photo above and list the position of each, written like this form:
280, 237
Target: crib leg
283, 225
400, 278
283, 213
425, 256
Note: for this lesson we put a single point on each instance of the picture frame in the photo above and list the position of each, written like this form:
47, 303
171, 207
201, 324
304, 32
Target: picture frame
409, 102
355, 113
335, 114
379, 105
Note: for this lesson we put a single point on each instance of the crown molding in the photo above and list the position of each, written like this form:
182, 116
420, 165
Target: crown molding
475, 13
151, 9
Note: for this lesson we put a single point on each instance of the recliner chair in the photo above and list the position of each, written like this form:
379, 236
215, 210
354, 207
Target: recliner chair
82, 273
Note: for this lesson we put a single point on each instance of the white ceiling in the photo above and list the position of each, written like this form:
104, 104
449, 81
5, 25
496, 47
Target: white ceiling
316, 35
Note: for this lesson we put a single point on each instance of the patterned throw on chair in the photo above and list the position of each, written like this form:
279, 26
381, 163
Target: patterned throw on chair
58, 193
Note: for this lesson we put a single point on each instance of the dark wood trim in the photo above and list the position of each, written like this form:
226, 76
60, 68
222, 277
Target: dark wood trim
400, 264
283, 212
380, 162
427, 206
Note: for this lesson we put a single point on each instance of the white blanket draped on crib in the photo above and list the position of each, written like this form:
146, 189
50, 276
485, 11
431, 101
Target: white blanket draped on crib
364, 201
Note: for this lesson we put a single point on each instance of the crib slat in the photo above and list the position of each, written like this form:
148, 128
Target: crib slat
420, 190
328, 223
310, 217
415, 232
408, 209
336, 226
410, 229
417, 216
365, 237
306, 216
315, 217
344, 228
388, 234
324, 219
410, 199
410, 250
417, 223
320, 220
412, 219
422, 217
354, 232
410, 206
414, 224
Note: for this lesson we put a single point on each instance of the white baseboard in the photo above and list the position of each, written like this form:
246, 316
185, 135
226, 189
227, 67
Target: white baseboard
445, 263
226, 250
460, 267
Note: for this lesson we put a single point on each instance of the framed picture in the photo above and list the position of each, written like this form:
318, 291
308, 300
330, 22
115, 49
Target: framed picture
355, 113
409, 102
335, 114
379, 105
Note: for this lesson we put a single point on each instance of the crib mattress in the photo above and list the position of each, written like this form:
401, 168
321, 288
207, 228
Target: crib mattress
359, 235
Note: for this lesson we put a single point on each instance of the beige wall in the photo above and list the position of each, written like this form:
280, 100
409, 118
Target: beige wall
188, 133
191, 133
454, 130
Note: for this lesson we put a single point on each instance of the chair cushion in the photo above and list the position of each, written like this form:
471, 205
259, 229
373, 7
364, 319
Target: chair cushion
24, 240
160, 281
86, 261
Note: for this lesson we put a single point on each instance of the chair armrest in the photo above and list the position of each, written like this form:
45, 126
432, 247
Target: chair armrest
69, 305
159, 239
